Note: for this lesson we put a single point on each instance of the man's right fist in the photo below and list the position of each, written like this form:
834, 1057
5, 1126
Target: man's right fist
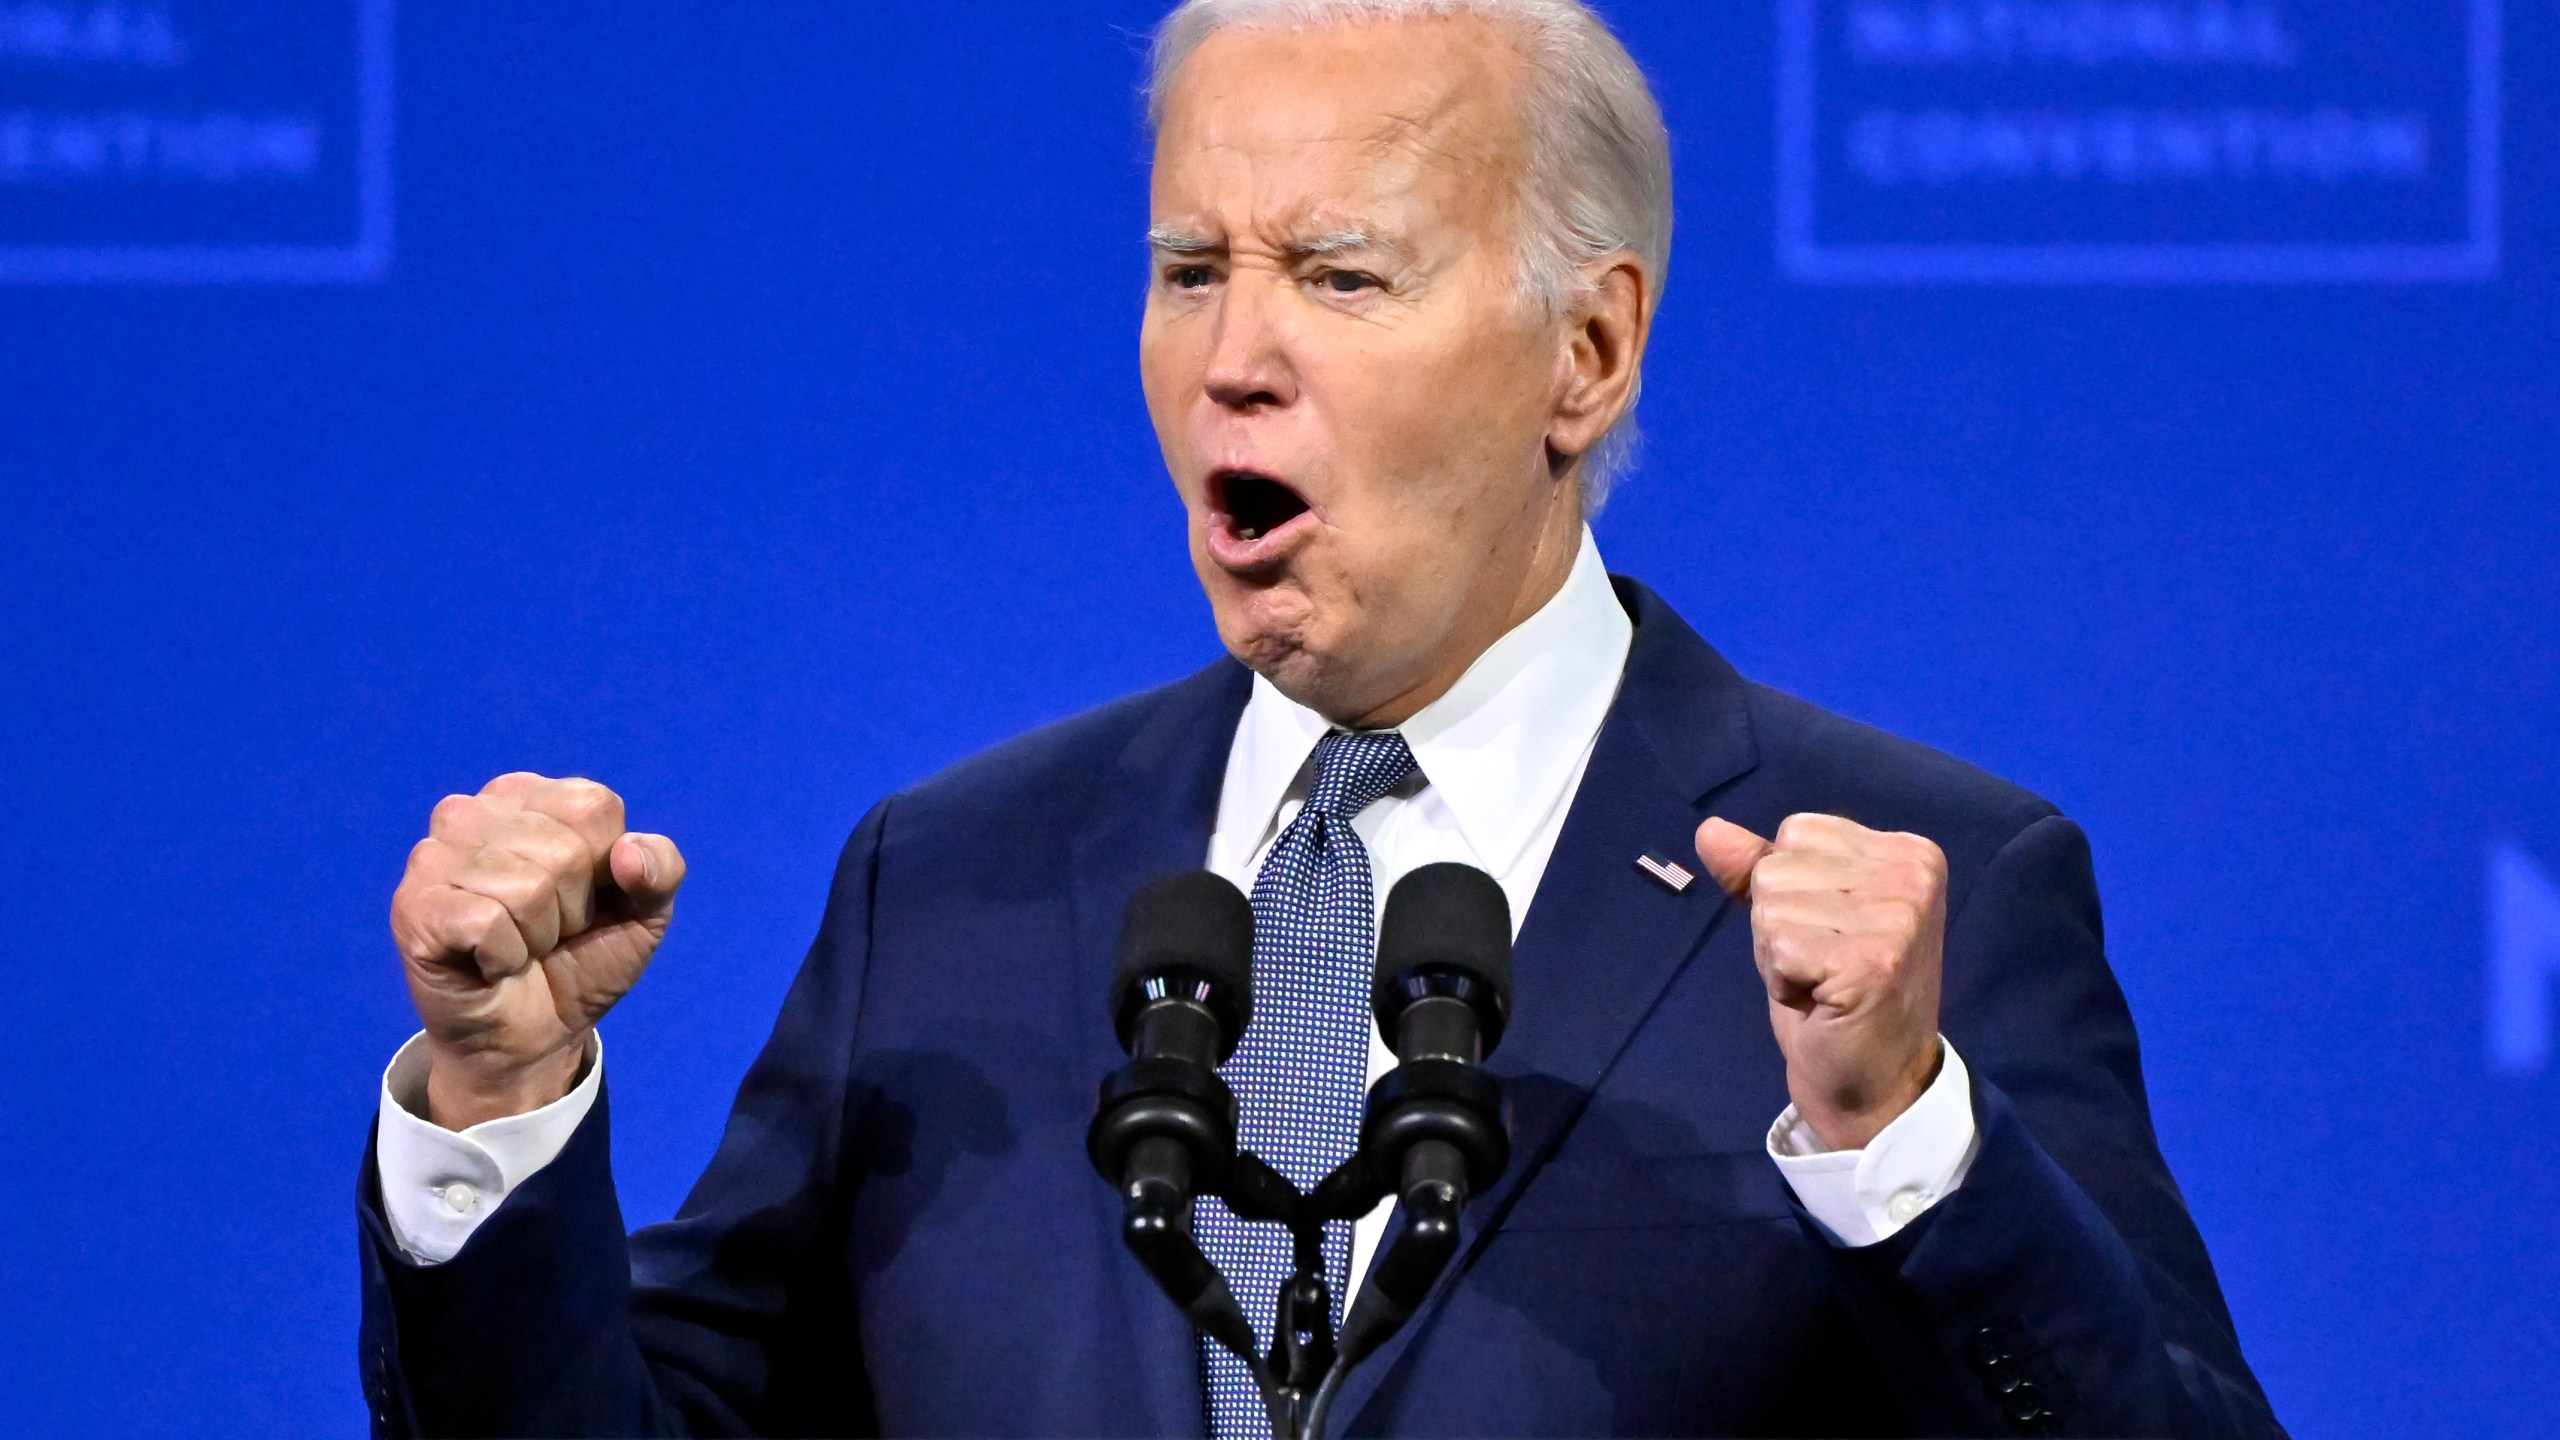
525, 914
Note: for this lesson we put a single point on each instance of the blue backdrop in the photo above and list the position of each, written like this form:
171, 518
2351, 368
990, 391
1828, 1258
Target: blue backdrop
744, 413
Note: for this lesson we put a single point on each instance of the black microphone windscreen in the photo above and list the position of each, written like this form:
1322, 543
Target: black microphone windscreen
1196, 922
1449, 916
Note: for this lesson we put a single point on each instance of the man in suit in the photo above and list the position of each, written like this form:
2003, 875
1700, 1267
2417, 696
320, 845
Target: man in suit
1851, 1140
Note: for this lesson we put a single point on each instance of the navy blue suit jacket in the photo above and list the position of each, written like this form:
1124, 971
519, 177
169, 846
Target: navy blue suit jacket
900, 1233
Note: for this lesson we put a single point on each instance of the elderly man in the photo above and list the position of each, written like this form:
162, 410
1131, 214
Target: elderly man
1850, 1141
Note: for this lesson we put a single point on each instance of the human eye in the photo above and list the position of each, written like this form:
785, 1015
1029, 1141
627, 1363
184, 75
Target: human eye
1348, 282
1190, 276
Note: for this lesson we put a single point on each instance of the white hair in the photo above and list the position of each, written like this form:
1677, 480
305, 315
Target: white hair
1599, 173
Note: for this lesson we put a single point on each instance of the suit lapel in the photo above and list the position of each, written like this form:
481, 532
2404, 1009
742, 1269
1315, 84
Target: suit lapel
1603, 939
1154, 816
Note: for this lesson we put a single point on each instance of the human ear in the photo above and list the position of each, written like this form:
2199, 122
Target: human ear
1602, 360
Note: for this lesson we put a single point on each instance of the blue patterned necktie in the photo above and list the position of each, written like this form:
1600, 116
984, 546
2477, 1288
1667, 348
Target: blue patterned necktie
1301, 1073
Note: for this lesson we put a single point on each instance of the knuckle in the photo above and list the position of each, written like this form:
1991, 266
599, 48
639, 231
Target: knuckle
510, 879
432, 922
428, 858
582, 802
549, 846
409, 897
478, 919
519, 894
1906, 916
452, 813
404, 920
1788, 948
487, 928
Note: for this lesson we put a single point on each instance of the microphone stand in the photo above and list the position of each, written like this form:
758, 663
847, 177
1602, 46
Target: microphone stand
1302, 1342
1436, 1125
1401, 1275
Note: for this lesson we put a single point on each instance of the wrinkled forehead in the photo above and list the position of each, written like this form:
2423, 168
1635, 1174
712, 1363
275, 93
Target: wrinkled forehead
1350, 116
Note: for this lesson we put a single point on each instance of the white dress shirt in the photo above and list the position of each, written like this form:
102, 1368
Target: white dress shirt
1498, 758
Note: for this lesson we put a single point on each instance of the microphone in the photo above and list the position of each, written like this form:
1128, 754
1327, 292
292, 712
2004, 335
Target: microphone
1443, 986
1164, 1127
1184, 986
1435, 1129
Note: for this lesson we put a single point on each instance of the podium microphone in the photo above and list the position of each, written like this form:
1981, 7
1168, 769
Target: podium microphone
1164, 1128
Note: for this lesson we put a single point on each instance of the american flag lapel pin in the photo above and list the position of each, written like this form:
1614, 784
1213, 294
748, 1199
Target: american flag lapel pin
1668, 872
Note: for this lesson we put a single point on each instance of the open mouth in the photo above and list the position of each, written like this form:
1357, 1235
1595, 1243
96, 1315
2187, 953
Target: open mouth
1255, 505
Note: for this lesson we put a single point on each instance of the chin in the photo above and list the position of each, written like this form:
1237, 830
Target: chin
1311, 674
1273, 653
1274, 642
1307, 649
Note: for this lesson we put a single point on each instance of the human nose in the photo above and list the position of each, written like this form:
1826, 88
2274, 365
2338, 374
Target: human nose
1249, 366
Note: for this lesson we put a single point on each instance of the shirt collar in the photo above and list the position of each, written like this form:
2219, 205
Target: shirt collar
1501, 748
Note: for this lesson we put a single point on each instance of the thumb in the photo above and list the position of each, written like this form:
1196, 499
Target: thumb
1729, 852
646, 869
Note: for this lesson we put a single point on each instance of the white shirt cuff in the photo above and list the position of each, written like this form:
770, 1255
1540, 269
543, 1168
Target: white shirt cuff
1861, 1197
439, 1184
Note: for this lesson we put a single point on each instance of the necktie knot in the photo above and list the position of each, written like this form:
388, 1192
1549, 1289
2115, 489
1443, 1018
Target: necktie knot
1357, 769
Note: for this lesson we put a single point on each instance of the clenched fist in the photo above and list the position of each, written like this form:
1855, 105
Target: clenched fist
525, 914
1849, 926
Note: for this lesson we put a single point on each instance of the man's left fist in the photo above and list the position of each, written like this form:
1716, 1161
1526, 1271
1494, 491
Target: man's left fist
1849, 926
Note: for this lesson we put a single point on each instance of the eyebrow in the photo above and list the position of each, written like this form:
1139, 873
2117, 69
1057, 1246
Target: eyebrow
1349, 239
1176, 240
1337, 242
